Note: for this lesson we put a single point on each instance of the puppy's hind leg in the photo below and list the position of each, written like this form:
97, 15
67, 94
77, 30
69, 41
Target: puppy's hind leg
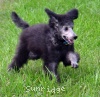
74, 58
20, 57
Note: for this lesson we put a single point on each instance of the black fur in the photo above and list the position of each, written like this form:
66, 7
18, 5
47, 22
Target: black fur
18, 21
44, 41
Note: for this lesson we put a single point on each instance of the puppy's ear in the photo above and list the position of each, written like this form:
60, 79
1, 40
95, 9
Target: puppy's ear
50, 13
73, 14
53, 18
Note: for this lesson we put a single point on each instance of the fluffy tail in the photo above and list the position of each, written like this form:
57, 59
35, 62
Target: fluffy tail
18, 21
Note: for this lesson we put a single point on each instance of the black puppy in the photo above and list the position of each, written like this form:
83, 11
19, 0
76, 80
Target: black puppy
53, 42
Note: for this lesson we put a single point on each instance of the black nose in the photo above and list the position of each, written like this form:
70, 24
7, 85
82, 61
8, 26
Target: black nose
75, 37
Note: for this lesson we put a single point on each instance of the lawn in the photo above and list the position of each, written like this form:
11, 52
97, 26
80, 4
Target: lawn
31, 81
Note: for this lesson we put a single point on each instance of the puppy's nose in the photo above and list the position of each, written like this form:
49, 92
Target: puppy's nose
75, 37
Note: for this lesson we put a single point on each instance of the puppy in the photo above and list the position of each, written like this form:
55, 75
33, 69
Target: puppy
52, 42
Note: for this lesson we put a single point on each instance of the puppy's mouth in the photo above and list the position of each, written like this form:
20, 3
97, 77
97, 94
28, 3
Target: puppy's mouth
68, 41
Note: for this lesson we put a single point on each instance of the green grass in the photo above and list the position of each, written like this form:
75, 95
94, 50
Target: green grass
31, 81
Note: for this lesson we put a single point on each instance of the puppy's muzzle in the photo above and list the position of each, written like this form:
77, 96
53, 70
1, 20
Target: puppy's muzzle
70, 40
75, 37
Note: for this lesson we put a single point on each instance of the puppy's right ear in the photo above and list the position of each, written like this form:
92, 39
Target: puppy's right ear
50, 13
53, 17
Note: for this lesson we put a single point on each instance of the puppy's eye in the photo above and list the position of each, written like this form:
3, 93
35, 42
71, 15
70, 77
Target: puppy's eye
66, 28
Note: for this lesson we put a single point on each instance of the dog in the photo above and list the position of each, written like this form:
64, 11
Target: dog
52, 42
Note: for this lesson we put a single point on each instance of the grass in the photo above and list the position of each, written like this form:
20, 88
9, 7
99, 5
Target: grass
31, 81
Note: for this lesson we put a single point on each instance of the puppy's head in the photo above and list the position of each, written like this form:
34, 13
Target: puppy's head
63, 24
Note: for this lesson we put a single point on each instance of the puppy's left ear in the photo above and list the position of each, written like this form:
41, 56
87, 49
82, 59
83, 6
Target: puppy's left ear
73, 14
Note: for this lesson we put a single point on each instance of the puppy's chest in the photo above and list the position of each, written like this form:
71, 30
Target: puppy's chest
57, 51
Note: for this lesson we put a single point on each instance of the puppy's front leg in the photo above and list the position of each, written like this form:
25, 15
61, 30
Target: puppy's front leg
74, 58
52, 67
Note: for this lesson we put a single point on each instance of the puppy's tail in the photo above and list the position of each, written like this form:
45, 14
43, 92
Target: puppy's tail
18, 21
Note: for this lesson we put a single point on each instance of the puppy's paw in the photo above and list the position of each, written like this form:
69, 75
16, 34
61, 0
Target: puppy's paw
74, 65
